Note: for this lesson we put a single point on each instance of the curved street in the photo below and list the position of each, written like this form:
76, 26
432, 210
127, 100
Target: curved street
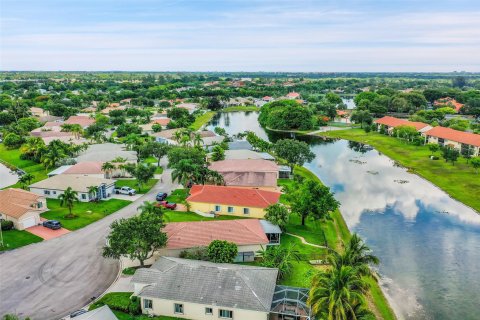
50, 279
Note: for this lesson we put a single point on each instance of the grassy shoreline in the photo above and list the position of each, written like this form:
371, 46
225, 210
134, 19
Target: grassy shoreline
202, 120
240, 108
457, 180
375, 296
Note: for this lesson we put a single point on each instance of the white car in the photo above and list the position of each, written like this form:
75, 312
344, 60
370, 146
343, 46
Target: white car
125, 190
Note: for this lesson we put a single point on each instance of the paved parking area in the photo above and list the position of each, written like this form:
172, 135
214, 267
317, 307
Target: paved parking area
47, 233
126, 197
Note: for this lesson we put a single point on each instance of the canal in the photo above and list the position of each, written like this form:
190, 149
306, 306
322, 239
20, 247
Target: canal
428, 243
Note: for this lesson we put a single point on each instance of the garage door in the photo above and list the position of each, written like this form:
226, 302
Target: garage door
28, 222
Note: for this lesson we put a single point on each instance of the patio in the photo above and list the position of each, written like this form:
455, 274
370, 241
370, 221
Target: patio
290, 303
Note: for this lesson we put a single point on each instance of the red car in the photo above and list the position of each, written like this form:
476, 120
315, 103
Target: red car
167, 205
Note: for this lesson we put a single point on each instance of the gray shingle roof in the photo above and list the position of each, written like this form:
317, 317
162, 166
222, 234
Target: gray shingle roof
226, 285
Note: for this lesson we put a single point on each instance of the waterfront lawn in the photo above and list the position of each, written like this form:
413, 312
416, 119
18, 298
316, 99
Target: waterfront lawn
86, 212
457, 180
178, 195
12, 157
132, 183
14, 239
202, 120
240, 108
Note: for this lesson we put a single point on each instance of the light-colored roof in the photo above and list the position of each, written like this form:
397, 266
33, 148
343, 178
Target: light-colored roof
183, 235
106, 152
207, 283
59, 170
244, 165
67, 139
79, 183
233, 196
167, 134
102, 313
246, 154
269, 227
239, 145
395, 122
87, 167
455, 135
16, 202
80, 120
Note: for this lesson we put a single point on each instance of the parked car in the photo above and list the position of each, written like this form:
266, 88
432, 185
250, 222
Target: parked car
52, 224
125, 190
77, 313
161, 196
167, 205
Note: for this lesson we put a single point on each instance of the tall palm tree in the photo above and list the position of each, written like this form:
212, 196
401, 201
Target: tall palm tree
177, 135
357, 255
68, 198
25, 180
108, 167
197, 140
184, 170
50, 159
281, 258
92, 192
150, 207
33, 147
337, 293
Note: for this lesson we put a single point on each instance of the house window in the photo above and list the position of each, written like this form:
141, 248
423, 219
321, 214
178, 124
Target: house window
84, 196
245, 257
46, 191
178, 308
39, 205
246, 211
208, 311
147, 304
225, 314
218, 208
54, 192
230, 210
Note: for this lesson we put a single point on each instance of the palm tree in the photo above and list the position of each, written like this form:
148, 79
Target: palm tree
92, 192
25, 180
281, 258
51, 158
184, 170
336, 294
197, 140
108, 167
177, 135
33, 147
150, 207
68, 198
358, 255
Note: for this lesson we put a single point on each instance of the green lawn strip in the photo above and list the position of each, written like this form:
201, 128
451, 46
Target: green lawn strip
15, 239
181, 216
178, 195
132, 183
125, 316
202, 120
457, 180
381, 303
240, 108
86, 212
12, 159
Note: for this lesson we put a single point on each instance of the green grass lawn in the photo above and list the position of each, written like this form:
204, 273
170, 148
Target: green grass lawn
202, 120
14, 239
12, 157
178, 195
457, 180
87, 212
132, 183
240, 108
125, 316
181, 216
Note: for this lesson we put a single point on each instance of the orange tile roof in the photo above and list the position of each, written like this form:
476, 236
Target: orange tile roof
395, 122
16, 202
87, 167
455, 135
161, 121
233, 196
449, 102
81, 120
293, 95
183, 235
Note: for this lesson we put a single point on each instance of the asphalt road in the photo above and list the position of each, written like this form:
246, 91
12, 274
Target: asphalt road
50, 279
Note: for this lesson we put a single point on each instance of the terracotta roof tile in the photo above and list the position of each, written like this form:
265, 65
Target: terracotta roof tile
81, 120
244, 165
395, 122
17, 202
455, 135
87, 167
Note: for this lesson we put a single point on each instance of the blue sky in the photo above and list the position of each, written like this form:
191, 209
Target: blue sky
240, 35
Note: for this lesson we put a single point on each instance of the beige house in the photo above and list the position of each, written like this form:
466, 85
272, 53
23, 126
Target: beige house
461, 141
54, 186
232, 201
255, 173
200, 290
21, 207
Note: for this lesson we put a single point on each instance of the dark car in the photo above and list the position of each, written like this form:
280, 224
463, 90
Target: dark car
77, 313
161, 196
52, 224
167, 205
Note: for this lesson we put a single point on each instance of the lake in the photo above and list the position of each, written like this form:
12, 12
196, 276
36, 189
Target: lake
428, 243
6, 177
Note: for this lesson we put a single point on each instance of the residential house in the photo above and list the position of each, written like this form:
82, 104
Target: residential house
193, 289
21, 207
66, 137
246, 154
239, 145
56, 185
268, 99
223, 200
390, 123
38, 112
83, 121
255, 173
462, 141
148, 128
247, 234
191, 107
448, 102
293, 95
107, 152
101, 313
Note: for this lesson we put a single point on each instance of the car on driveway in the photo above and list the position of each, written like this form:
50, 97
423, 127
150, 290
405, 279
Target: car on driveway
125, 190
161, 196
167, 205
52, 224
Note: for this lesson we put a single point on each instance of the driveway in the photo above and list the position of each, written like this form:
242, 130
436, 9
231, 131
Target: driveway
47, 233
126, 197
50, 279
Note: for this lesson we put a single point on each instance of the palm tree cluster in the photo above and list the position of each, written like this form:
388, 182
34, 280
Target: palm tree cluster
188, 137
68, 199
338, 293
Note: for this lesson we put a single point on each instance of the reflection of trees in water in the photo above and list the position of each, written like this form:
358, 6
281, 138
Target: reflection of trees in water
226, 119
358, 147
215, 120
